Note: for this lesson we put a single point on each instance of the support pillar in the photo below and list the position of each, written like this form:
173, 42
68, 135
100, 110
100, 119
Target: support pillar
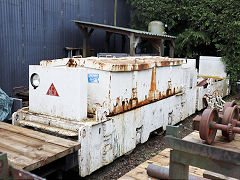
172, 47
132, 44
85, 39
86, 36
177, 170
158, 45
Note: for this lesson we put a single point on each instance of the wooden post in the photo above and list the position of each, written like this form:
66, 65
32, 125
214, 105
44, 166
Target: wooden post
86, 36
159, 48
157, 44
177, 170
85, 39
162, 47
132, 44
172, 47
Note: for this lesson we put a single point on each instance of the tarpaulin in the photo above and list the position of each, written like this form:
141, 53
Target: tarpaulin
5, 105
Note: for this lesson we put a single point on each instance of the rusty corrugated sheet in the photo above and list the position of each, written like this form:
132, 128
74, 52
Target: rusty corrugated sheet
32, 30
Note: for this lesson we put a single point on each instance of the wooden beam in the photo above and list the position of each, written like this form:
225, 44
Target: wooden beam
132, 44
90, 32
86, 36
172, 47
158, 45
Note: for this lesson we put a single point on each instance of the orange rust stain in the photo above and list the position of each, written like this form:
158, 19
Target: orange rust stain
71, 63
144, 102
118, 100
122, 67
153, 92
178, 62
133, 103
48, 61
164, 63
153, 80
160, 95
142, 66
101, 64
153, 96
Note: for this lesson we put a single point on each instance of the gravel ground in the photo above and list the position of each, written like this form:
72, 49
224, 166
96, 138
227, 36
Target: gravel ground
140, 154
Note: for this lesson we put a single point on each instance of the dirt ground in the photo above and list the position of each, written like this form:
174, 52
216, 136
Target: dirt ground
140, 154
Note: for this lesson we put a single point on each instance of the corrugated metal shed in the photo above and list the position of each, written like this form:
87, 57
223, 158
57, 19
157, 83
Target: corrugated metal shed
155, 39
123, 30
33, 30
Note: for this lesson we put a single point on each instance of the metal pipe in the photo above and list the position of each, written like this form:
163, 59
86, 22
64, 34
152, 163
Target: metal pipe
163, 173
222, 127
157, 172
236, 130
237, 121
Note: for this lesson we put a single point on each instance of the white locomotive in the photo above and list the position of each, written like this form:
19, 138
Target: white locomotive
112, 104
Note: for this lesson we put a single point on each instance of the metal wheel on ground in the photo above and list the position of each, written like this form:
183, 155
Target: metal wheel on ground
207, 132
229, 104
231, 114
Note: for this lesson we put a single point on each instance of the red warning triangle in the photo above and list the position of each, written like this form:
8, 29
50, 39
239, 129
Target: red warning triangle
52, 91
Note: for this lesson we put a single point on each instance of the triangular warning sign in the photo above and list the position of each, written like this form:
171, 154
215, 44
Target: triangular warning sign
52, 91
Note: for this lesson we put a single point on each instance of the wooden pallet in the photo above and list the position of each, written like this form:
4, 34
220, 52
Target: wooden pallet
162, 159
27, 149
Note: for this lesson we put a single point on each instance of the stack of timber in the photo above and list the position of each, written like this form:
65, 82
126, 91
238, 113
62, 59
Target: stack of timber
27, 149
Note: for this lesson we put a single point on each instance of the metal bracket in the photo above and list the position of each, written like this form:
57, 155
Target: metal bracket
175, 131
207, 157
8, 172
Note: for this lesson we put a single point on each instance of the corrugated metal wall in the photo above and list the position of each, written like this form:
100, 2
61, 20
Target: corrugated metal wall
33, 30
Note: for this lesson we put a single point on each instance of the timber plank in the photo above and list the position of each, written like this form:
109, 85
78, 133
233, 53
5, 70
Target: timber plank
28, 141
219, 141
15, 159
38, 135
27, 149
22, 149
216, 176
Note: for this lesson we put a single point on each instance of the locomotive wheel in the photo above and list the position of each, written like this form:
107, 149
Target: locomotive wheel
231, 114
206, 132
229, 104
